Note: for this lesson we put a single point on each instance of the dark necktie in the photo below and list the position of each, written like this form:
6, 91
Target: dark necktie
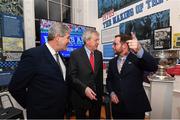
92, 60
57, 60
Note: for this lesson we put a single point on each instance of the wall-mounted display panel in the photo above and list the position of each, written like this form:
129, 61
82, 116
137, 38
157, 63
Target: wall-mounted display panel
75, 35
145, 26
107, 5
107, 35
108, 52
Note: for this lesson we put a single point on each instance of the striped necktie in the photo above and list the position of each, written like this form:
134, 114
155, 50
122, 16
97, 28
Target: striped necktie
57, 60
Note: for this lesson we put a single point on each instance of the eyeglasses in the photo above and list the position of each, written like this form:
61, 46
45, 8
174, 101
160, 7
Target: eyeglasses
114, 44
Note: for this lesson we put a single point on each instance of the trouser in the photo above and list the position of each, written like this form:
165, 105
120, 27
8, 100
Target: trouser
119, 111
94, 111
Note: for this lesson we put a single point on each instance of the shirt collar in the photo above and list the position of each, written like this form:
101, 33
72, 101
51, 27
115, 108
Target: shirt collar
52, 51
87, 50
123, 57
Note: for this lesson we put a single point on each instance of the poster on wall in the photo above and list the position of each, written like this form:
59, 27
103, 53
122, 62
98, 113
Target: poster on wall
176, 40
14, 7
8, 56
144, 26
12, 34
0, 44
12, 26
107, 5
11, 41
0, 37
1, 55
108, 52
12, 44
162, 38
107, 35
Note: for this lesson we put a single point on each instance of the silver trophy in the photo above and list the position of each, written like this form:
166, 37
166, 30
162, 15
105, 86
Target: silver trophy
166, 58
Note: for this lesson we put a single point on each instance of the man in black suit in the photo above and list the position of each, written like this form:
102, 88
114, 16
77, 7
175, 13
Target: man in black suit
125, 78
86, 71
39, 83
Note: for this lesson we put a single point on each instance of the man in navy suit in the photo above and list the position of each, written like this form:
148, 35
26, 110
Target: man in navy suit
86, 71
125, 78
39, 83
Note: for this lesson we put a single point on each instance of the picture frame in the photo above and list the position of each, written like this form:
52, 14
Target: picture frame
162, 38
176, 40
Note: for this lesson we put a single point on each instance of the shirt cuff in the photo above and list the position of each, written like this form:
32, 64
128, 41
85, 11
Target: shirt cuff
112, 93
140, 53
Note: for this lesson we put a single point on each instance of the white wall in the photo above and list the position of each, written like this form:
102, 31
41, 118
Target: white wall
85, 12
29, 23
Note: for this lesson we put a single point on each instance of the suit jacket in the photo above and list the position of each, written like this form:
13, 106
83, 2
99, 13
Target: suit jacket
128, 85
82, 76
38, 84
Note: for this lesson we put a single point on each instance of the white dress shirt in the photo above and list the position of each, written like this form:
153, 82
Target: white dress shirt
53, 53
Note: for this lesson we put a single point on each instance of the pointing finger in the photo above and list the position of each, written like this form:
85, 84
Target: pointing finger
133, 35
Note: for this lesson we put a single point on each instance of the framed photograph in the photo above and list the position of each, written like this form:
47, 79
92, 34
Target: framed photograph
176, 40
162, 38
146, 44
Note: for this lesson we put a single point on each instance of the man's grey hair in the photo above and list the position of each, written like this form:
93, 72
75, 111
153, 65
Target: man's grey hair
57, 28
88, 34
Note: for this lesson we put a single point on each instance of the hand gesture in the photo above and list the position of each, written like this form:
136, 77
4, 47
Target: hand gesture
134, 44
114, 98
90, 93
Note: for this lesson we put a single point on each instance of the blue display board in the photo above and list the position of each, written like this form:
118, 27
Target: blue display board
108, 52
5, 78
75, 35
11, 41
12, 26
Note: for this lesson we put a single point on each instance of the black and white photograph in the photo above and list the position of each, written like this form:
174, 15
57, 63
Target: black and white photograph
162, 38
14, 7
146, 44
144, 26
107, 5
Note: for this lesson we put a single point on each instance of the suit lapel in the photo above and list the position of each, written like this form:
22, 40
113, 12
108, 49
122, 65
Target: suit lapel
115, 65
49, 57
131, 59
85, 58
96, 60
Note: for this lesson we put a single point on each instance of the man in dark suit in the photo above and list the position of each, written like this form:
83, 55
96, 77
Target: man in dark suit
86, 71
39, 83
125, 78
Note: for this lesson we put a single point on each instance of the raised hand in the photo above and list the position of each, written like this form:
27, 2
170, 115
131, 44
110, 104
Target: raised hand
134, 44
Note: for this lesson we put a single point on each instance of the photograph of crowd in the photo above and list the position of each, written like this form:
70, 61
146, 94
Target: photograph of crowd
162, 38
144, 26
14, 7
107, 5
